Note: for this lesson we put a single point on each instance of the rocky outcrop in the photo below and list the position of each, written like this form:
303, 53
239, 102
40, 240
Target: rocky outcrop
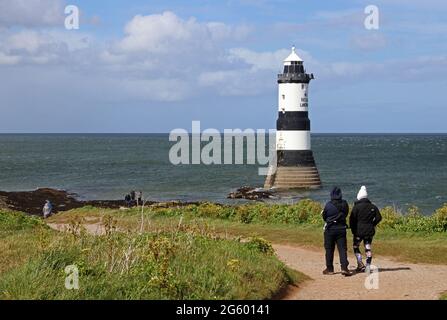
250, 193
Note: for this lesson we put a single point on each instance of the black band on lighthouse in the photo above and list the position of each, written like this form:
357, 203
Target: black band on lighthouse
293, 120
295, 158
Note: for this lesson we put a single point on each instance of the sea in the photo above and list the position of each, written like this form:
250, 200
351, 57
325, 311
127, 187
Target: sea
398, 170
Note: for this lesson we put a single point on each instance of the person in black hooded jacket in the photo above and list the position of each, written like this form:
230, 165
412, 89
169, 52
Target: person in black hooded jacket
364, 218
334, 214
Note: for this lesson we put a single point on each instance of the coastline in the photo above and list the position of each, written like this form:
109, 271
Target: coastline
32, 202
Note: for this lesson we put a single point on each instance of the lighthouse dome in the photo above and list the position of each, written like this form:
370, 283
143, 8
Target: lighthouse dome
293, 57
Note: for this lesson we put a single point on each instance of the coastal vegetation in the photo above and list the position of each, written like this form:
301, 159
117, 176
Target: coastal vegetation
185, 263
196, 251
408, 236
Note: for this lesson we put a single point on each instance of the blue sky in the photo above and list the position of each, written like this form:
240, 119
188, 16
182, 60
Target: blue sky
153, 66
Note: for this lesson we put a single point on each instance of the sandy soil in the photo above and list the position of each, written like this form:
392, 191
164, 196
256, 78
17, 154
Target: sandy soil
396, 280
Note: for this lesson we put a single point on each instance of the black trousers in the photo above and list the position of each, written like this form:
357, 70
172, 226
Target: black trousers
336, 236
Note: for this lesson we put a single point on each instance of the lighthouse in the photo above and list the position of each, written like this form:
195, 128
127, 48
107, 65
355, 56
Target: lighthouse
295, 164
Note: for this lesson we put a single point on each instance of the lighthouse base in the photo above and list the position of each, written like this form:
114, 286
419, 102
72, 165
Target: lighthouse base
294, 170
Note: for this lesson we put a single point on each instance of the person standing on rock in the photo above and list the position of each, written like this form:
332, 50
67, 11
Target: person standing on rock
47, 209
139, 196
364, 218
334, 214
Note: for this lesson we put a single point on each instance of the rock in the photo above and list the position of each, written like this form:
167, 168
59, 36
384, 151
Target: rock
251, 193
32, 202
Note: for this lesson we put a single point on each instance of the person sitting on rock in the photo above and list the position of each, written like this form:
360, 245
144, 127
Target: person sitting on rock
364, 218
47, 209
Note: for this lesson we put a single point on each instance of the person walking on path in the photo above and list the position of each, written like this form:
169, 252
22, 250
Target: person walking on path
334, 215
364, 218
47, 209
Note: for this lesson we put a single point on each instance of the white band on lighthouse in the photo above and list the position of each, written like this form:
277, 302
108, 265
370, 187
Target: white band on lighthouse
293, 140
292, 97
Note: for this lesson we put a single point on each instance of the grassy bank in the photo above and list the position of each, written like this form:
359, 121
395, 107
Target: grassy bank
182, 263
407, 236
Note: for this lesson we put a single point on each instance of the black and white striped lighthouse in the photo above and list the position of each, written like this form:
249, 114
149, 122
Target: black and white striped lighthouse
295, 164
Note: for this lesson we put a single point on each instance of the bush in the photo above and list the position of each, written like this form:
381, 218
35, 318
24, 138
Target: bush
440, 217
308, 212
14, 221
390, 218
260, 244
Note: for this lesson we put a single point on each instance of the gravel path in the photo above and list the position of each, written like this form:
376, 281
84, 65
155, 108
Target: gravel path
396, 280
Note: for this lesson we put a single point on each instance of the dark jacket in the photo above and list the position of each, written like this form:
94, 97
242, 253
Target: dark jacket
364, 218
335, 213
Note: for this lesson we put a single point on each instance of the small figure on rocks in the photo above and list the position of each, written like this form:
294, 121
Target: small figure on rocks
132, 196
364, 218
139, 196
47, 209
128, 200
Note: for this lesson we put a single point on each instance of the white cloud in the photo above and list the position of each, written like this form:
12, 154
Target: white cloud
167, 33
259, 60
31, 13
42, 47
163, 57
8, 59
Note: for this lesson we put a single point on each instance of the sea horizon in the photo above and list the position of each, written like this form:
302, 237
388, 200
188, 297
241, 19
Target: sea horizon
399, 170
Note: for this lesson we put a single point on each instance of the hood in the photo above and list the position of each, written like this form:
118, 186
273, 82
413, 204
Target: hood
336, 194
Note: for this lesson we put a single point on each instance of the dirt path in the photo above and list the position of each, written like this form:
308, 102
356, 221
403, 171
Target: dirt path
96, 229
396, 280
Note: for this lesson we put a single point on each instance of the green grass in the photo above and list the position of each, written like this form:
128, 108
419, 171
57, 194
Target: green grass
407, 237
192, 252
181, 263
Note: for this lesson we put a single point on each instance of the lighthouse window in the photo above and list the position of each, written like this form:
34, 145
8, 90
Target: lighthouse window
283, 96
302, 86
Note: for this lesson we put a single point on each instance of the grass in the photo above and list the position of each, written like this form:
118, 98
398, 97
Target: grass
182, 263
205, 251
405, 236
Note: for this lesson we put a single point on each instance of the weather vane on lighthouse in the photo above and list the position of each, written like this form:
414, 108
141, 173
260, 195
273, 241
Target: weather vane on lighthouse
295, 164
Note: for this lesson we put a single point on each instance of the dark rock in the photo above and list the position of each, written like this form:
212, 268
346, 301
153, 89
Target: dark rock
32, 202
250, 193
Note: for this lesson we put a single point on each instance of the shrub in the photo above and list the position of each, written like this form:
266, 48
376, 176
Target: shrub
440, 217
260, 244
390, 218
14, 221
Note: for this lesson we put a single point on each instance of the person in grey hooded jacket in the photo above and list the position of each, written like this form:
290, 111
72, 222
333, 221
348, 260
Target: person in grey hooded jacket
47, 209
